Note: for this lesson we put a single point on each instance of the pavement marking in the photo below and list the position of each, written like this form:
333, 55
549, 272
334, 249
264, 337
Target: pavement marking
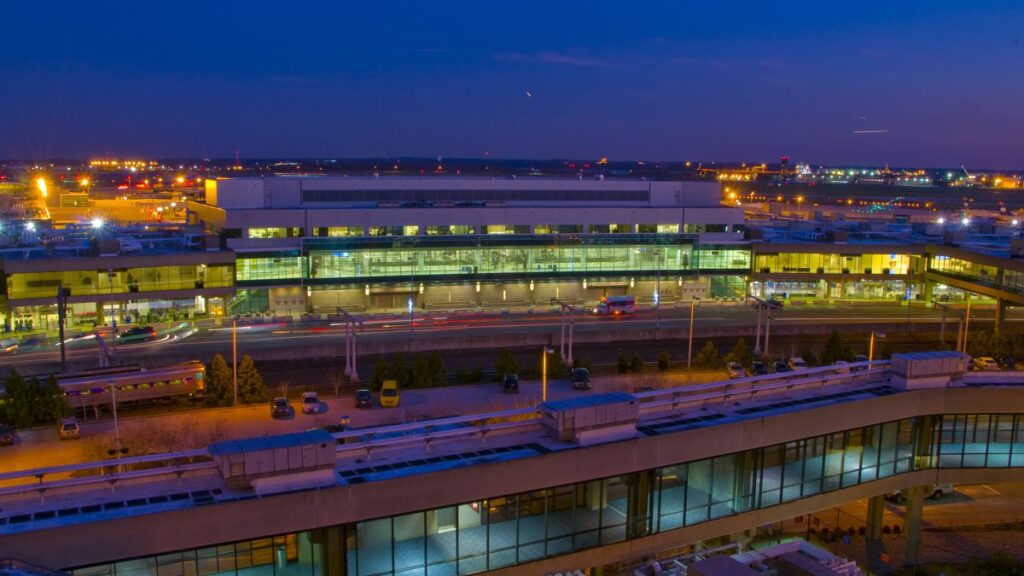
991, 489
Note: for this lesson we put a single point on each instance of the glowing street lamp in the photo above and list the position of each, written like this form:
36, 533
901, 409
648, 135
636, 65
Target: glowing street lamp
97, 223
41, 184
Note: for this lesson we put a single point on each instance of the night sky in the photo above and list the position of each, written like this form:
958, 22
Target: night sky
928, 83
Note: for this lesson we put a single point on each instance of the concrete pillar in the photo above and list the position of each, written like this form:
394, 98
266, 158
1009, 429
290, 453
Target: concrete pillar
874, 545
928, 288
332, 552
1000, 315
638, 514
912, 522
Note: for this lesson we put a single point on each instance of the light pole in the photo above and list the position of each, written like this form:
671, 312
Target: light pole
871, 346
657, 290
117, 429
544, 373
967, 322
689, 343
234, 358
757, 333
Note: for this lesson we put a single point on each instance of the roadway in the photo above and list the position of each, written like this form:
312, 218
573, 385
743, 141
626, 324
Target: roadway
184, 340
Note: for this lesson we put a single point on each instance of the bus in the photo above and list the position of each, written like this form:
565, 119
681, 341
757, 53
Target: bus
615, 306
92, 388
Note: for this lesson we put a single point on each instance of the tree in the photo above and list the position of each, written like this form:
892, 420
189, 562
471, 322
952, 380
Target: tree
740, 353
250, 383
708, 356
220, 389
663, 361
53, 400
622, 366
419, 376
398, 370
506, 365
835, 349
27, 402
17, 401
381, 372
636, 364
808, 355
435, 366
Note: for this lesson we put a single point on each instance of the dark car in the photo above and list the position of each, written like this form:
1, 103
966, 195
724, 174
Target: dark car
859, 358
581, 379
137, 334
280, 408
781, 366
511, 384
6, 435
364, 398
1008, 362
757, 368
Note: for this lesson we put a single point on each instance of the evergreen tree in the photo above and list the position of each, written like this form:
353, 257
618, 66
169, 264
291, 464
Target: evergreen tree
419, 376
741, 353
506, 365
250, 383
52, 397
381, 372
435, 365
663, 361
622, 366
835, 349
708, 356
17, 401
636, 364
398, 371
220, 386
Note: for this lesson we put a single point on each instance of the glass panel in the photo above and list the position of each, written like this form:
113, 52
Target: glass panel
410, 541
374, 546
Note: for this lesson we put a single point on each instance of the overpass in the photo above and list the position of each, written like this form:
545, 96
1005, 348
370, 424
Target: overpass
563, 486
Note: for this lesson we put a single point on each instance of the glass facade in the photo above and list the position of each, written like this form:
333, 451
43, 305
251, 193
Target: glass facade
482, 535
1001, 278
823, 263
119, 280
353, 262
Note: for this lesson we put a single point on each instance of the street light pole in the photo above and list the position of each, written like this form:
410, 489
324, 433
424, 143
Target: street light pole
689, 343
544, 374
757, 334
967, 322
117, 429
871, 347
234, 358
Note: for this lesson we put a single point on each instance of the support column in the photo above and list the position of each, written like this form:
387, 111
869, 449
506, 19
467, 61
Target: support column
638, 514
875, 547
332, 550
1000, 316
912, 522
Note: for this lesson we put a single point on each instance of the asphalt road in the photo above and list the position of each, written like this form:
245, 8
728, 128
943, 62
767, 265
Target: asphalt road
204, 343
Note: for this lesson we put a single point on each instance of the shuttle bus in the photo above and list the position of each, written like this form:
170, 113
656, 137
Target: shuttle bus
615, 306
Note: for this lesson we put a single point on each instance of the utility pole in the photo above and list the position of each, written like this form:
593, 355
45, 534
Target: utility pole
351, 371
967, 322
757, 333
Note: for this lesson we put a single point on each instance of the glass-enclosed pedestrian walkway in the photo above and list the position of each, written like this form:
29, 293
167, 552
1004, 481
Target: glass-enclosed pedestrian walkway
482, 535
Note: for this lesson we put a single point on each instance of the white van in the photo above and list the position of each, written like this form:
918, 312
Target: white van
67, 428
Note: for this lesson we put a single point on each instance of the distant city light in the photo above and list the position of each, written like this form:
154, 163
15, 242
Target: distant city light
1015, 222
31, 226
966, 221
181, 179
97, 223
942, 220
41, 184
83, 182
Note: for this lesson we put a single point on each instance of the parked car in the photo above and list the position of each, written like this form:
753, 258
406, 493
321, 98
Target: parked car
797, 363
511, 384
310, 403
389, 397
1008, 362
6, 436
581, 379
341, 426
938, 491
136, 334
280, 408
780, 366
857, 359
758, 368
364, 398
841, 366
985, 363
736, 370
67, 428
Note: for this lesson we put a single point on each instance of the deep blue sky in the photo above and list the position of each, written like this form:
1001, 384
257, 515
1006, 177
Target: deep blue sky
665, 80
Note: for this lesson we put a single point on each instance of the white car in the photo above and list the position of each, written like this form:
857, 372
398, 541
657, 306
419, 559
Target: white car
310, 403
938, 491
736, 370
986, 363
797, 363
